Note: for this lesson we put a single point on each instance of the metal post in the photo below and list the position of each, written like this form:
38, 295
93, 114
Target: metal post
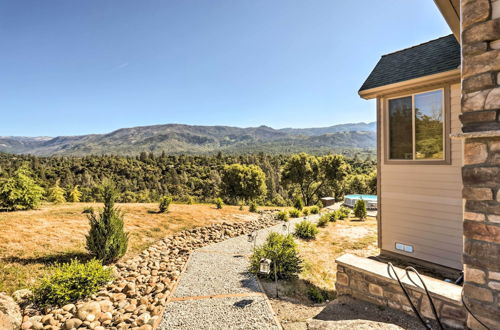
275, 276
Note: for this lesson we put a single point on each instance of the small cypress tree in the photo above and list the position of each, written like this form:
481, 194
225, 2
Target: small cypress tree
56, 194
165, 202
252, 207
107, 239
360, 209
219, 203
75, 195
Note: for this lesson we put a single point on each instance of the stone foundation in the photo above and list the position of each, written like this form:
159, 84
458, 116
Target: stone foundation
368, 280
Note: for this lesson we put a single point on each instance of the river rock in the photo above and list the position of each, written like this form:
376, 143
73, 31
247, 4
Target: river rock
9, 311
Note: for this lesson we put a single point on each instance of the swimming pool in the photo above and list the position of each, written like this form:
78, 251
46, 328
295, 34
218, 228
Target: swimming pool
370, 200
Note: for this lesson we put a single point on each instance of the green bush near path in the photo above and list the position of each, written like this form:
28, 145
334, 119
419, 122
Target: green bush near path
281, 249
282, 215
324, 219
306, 230
69, 282
294, 213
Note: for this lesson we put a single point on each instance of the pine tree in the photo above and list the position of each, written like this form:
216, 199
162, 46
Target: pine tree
107, 239
75, 195
56, 194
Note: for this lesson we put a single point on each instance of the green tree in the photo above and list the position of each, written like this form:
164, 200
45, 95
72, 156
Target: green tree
283, 252
243, 182
165, 202
360, 209
75, 195
308, 174
107, 239
56, 194
20, 192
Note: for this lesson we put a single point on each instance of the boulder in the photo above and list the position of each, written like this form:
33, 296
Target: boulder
22, 296
9, 311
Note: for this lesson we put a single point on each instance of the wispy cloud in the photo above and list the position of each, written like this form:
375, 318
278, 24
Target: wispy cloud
120, 66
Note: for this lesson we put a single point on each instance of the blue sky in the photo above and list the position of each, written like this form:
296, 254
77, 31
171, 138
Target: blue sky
77, 67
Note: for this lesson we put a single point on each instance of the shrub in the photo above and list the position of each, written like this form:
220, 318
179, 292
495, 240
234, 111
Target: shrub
165, 202
343, 212
360, 209
189, 200
316, 295
107, 240
283, 250
306, 230
298, 203
219, 203
305, 211
334, 216
283, 215
294, 213
324, 219
20, 192
314, 209
69, 282
252, 207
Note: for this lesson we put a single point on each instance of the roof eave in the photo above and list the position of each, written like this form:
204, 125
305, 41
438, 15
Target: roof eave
450, 9
411, 83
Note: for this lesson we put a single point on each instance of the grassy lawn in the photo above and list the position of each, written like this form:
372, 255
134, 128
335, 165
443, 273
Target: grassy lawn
344, 236
30, 240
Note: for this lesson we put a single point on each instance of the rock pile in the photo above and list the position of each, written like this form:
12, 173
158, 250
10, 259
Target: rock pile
141, 285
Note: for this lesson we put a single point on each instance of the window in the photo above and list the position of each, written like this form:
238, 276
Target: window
416, 127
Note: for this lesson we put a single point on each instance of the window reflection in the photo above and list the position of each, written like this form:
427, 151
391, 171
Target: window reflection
400, 128
429, 125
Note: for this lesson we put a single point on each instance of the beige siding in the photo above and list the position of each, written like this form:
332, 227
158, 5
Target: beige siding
422, 204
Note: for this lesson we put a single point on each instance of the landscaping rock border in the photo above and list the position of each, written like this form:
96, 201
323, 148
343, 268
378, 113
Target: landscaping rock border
135, 299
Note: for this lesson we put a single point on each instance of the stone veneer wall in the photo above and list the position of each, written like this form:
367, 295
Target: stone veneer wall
480, 118
368, 280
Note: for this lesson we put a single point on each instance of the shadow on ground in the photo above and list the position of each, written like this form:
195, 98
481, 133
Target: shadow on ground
49, 259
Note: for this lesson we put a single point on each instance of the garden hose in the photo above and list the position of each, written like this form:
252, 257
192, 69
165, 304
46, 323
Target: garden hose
391, 267
434, 311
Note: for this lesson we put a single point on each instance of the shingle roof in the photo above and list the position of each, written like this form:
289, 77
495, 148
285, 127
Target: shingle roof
432, 57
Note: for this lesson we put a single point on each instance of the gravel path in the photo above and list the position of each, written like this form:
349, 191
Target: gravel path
217, 292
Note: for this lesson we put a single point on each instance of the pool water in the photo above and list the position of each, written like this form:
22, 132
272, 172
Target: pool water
365, 197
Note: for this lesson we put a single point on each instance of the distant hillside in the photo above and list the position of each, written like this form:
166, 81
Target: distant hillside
355, 127
188, 139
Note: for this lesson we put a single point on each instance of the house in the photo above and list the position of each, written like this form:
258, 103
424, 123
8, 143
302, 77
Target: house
419, 172
438, 114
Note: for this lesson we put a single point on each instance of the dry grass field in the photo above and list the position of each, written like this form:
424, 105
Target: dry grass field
31, 240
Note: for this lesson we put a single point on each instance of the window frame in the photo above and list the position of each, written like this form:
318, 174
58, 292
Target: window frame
446, 128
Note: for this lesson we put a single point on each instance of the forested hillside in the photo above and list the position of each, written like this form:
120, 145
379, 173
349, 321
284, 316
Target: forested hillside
190, 178
176, 139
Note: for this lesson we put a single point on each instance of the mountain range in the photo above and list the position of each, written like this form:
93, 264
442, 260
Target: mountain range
190, 139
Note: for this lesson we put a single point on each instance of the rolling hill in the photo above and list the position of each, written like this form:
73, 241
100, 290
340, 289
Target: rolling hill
189, 139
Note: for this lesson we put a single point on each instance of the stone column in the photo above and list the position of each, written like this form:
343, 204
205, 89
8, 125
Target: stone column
480, 23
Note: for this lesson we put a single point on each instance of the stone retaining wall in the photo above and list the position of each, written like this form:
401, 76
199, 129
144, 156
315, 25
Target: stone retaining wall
368, 280
141, 286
